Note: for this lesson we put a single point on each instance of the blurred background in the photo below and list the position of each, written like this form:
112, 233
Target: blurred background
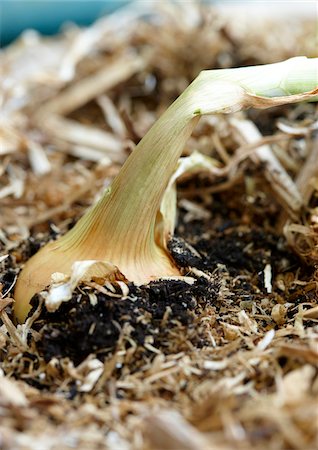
47, 16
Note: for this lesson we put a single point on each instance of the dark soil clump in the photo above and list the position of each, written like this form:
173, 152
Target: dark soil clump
79, 328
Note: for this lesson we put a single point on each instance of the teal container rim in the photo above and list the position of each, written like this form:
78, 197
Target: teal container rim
48, 16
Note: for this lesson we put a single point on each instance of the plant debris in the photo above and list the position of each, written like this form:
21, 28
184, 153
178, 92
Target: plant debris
226, 357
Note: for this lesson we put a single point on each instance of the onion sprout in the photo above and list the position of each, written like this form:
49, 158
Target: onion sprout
125, 227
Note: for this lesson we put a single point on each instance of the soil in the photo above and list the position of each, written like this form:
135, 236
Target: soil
230, 253
227, 250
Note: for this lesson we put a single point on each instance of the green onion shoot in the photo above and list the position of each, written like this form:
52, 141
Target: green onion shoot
125, 227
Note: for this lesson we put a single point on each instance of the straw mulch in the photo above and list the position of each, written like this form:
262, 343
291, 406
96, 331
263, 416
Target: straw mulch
229, 362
